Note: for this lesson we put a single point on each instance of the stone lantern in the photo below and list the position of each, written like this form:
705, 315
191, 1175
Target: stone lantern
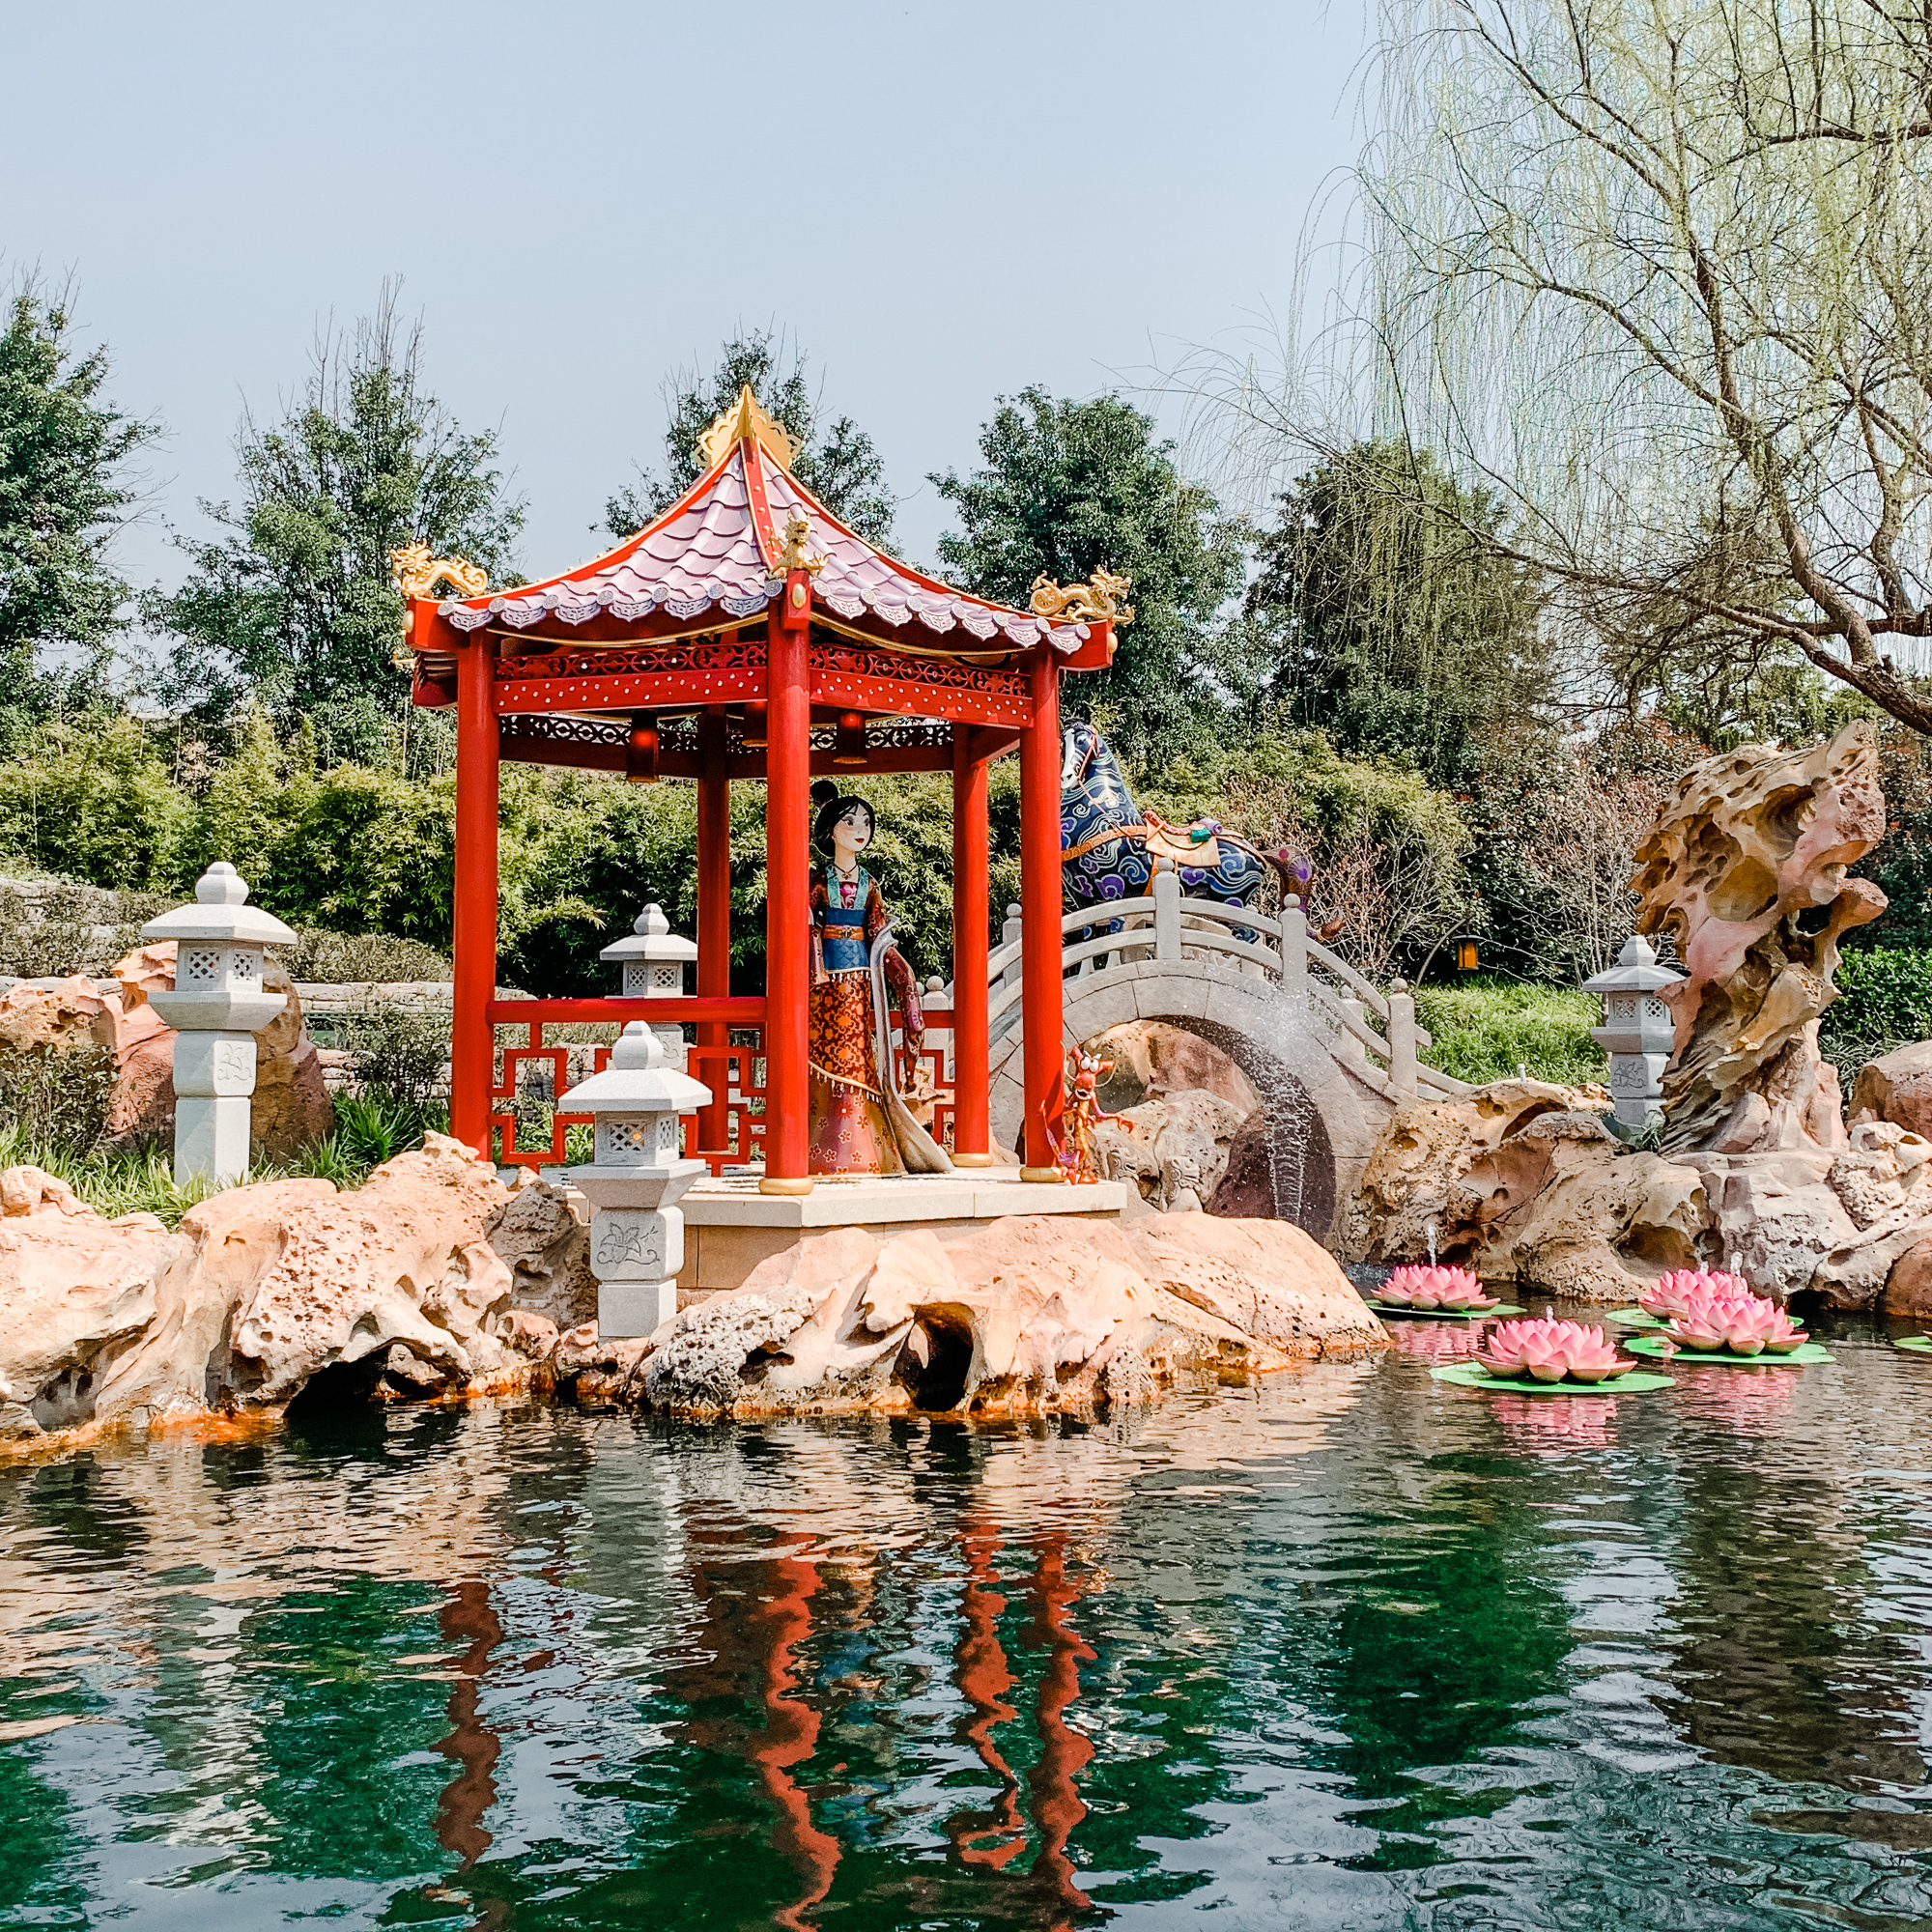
1638, 1031
217, 1005
653, 959
637, 1232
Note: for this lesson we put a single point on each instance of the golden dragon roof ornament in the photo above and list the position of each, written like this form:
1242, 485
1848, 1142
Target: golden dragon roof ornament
794, 555
1095, 602
415, 573
742, 420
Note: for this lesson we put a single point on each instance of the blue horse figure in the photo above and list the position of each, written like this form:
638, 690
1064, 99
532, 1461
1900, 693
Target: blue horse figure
1108, 847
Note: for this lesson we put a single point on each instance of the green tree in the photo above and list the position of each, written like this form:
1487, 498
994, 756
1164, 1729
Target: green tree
1380, 618
93, 799
1070, 487
64, 491
1658, 271
837, 462
295, 603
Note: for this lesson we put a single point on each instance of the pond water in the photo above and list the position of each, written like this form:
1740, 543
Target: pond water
1346, 1649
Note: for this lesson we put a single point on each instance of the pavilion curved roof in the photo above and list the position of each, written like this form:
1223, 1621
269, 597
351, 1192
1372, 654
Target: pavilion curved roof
722, 547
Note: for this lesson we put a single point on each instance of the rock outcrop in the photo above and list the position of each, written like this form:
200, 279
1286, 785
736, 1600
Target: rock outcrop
1153, 1057
1524, 1182
1033, 1312
1750, 849
1172, 1148
1896, 1087
392, 1289
291, 1107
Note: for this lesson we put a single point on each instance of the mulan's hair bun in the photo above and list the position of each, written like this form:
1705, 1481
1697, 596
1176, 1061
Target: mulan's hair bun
823, 793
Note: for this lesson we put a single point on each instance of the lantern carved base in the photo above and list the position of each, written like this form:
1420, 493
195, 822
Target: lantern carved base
215, 1083
635, 1258
636, 1235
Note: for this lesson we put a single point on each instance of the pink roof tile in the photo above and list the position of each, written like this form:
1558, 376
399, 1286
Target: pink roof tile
706, 551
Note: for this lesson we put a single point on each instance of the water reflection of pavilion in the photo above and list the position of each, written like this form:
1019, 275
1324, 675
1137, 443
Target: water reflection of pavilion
793, 1668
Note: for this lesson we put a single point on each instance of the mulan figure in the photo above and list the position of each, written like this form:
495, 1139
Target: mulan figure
860, 1122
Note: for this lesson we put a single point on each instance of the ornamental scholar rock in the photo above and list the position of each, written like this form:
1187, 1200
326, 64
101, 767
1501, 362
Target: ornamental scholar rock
1035, 1313
1750, 849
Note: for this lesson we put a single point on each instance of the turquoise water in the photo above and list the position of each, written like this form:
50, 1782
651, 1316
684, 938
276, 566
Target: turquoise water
1346, 1649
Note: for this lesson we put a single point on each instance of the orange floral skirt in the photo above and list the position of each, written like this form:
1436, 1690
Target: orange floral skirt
849, 1130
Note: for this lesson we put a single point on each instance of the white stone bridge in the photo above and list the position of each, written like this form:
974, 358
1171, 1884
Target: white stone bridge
1331, 1055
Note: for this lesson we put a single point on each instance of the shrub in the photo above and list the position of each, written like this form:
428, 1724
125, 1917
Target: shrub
372, 1127
1485, 1028
94, 800
337, 958
399, 1054
1884, 1000
57, 1097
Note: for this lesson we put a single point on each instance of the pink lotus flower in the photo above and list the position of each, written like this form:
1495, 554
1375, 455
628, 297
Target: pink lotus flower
1547, 1351
1414, 1285
1667, 1297
1737, 1319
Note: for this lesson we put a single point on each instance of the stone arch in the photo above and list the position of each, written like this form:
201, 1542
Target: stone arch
1322, 1121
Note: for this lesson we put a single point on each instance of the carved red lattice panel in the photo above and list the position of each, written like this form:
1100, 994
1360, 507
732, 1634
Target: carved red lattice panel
743, 1082
737, 1070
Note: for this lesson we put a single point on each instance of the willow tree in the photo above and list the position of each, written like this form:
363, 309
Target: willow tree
1658, 272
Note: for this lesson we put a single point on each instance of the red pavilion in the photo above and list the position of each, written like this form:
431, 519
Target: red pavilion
748, 634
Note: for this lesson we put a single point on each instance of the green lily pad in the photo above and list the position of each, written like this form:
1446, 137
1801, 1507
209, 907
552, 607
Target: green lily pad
1443, 1314
1473, 1374
1921, 1345
1657, 1345
1633, 1318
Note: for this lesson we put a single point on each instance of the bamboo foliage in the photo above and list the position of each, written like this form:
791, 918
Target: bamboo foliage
1659, 273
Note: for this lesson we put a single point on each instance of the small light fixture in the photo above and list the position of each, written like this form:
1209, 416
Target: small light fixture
849, 746
1466, 954
640, 751
755, 739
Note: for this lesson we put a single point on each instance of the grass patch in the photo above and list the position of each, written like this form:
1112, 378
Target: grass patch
115, 1180
1485, 1028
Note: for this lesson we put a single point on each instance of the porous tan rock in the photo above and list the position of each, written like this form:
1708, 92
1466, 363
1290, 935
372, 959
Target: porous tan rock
67, 1015
1908, 1290
1522, 1182
1151, 1058
1896, 1087
403, 1262
1748, 848
179, 1365
1028, 1314
593, 1369
75, 1288
1172, 1150
259, 1290
547, 1248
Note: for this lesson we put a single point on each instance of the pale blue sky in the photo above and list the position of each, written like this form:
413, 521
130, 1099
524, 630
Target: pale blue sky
940, 203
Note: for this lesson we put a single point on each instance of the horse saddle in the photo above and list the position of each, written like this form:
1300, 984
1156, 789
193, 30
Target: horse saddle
1180, 844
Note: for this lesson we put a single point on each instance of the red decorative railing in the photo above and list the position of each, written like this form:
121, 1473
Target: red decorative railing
734, 1071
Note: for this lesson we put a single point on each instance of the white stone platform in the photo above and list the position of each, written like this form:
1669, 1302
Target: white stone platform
729, 1227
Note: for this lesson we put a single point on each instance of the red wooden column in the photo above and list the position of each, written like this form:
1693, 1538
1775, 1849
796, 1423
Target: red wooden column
714, 916
475, 939
1039, 926
972, 1129
789, 892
